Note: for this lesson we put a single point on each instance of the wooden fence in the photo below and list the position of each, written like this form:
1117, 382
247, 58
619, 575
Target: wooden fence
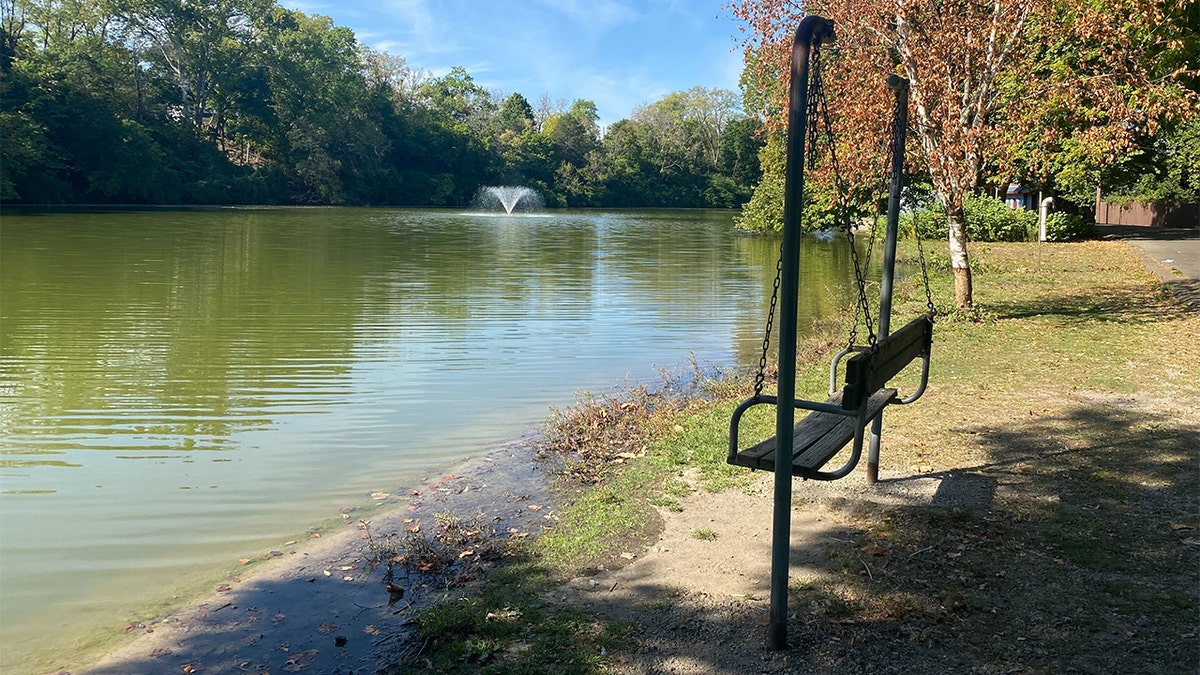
1148, 215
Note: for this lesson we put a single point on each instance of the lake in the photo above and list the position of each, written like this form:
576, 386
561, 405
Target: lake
181, 388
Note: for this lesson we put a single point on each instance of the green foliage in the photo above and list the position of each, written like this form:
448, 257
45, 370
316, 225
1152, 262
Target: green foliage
764, 211
1166, 170
987, 219
1063, 226
246, 101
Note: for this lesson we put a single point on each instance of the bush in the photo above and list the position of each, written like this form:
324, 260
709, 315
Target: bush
1062, 226
987, 219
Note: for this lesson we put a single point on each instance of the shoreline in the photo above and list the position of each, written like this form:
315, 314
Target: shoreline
324, 603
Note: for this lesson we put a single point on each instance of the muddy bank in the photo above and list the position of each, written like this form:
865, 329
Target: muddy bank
344, 602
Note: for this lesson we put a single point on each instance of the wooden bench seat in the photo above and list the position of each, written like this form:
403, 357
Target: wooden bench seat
816, 438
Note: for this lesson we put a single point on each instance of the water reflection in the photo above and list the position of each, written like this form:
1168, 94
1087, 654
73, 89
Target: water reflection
179, 389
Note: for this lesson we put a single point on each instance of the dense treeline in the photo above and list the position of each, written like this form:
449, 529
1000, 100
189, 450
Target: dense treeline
244, 101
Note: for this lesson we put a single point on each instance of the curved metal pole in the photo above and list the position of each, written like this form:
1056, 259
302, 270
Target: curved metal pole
900, 86
811, 31
837, 360
921, 387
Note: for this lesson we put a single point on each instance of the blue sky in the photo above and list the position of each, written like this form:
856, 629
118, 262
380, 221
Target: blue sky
617, 53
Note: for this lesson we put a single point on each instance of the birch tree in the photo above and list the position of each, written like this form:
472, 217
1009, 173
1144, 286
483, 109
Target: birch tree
970, 65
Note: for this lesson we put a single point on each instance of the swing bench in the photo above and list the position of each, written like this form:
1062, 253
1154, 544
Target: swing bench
844, 416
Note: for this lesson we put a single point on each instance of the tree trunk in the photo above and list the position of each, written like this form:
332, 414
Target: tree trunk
959, 262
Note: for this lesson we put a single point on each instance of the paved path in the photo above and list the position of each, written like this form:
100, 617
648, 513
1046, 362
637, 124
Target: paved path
1172, 254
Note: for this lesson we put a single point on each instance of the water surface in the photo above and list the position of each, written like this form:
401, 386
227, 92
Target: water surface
183, 388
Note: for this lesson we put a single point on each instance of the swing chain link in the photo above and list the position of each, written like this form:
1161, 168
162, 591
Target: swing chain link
761, 378
933, 313
924, 268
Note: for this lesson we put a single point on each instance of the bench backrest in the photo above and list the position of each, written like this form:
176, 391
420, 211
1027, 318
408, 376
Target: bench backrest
868, 371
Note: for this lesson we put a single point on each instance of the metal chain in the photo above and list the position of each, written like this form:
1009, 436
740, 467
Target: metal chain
933, 313
924, 267
820, 106
761, 377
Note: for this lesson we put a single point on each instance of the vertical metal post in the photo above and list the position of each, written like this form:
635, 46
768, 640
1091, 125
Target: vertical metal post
810, 31
1042, 215
899, 85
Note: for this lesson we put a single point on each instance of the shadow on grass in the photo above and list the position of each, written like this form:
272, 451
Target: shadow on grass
1114, 304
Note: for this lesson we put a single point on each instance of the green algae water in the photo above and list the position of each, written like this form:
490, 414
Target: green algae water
183, 388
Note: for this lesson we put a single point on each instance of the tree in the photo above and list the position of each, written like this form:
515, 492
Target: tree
969, 65
457, 96
515, 115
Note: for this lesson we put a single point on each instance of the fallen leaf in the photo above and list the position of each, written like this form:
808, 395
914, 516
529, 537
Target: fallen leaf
414, 528
161, 652
1179, 526
289, 543
380, 495
370, 629
244, 561
467, 553
346, 509
534, 507
327, 628
875, 549
300, 660
628, 556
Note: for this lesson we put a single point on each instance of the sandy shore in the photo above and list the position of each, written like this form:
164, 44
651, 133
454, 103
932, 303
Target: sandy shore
324, 605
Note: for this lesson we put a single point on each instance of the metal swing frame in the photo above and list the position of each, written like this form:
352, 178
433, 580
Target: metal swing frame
844, 417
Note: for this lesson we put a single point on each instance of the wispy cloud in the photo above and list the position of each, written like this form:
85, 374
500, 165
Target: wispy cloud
618, 53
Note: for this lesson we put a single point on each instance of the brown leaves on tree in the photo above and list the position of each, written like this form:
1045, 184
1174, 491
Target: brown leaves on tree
997, 88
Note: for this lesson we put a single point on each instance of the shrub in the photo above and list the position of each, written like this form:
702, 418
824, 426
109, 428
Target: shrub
1061, 226
988, 219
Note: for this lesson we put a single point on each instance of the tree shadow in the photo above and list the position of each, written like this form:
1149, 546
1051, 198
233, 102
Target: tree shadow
1113, 304
1073, 549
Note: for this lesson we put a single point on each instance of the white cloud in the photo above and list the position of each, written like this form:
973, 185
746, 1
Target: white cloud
618, 53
